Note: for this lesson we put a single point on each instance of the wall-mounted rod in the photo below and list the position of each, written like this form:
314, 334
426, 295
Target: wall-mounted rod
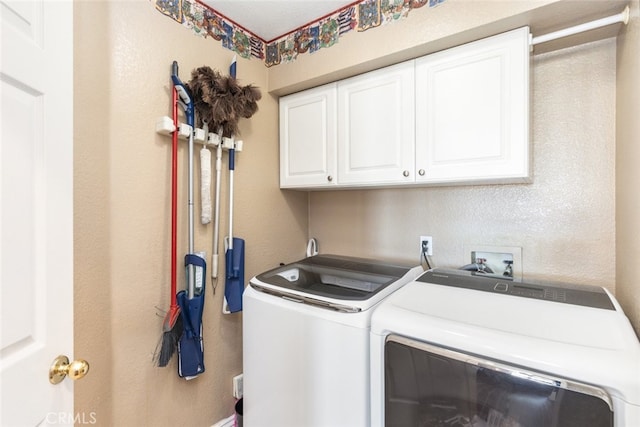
598, 23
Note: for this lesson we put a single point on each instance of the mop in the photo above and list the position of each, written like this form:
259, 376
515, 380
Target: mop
234, 256
191, 301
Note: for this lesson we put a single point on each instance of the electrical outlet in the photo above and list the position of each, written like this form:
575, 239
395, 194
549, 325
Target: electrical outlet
428, 241
237, 386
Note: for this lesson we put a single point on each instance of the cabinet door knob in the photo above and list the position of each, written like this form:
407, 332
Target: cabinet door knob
421, 172
329, 178
405, 173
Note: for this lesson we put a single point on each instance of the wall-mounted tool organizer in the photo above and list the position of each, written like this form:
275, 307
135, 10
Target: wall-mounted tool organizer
165, 126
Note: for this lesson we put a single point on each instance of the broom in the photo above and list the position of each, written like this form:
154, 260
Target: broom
172, 326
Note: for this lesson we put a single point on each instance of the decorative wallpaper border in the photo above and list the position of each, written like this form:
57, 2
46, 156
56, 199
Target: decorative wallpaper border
324, 33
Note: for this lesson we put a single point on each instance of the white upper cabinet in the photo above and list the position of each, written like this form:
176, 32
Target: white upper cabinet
376, 127
308, 138
472, 112
459, 116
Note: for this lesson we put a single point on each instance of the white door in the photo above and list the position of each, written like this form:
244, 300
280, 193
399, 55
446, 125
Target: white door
472, 109
376, 127
36, 210
308, 138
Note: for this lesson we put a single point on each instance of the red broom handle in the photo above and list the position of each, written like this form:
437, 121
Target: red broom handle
174, 198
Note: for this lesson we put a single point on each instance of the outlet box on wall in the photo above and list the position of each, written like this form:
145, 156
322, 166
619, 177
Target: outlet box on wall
238, 386
495, 257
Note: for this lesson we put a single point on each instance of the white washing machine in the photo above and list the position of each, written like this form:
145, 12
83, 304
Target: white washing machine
306, 340
460, 349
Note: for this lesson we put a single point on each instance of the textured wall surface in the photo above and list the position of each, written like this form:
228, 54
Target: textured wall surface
628, 172
564, 220
122, 217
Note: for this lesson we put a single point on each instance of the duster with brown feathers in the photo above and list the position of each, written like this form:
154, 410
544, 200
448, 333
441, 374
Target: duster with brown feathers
220, 101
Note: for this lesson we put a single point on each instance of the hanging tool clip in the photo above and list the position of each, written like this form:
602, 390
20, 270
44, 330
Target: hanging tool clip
213, 139
185, 99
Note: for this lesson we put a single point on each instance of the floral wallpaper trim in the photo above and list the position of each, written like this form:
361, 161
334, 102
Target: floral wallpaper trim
206, 22
317, 35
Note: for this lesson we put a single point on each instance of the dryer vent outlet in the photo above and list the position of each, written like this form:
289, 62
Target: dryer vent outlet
503, 261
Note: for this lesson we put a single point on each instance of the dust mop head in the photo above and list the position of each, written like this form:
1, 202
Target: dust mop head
220, 101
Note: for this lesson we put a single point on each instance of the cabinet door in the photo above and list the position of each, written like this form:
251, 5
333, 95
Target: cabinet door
308, 138
376, 127
472, 111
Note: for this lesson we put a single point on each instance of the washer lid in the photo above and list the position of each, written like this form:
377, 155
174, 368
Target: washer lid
335, 276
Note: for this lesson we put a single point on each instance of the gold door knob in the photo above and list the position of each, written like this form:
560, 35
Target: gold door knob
61, 368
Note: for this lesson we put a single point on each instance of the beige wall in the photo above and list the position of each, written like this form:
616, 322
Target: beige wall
578, 221
124, 51
627, 170
563, 220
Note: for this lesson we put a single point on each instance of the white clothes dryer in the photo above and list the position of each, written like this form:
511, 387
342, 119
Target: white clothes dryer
461, 349
306, 340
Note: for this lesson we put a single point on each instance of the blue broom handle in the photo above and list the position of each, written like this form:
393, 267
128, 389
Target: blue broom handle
231, 169
187, 103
